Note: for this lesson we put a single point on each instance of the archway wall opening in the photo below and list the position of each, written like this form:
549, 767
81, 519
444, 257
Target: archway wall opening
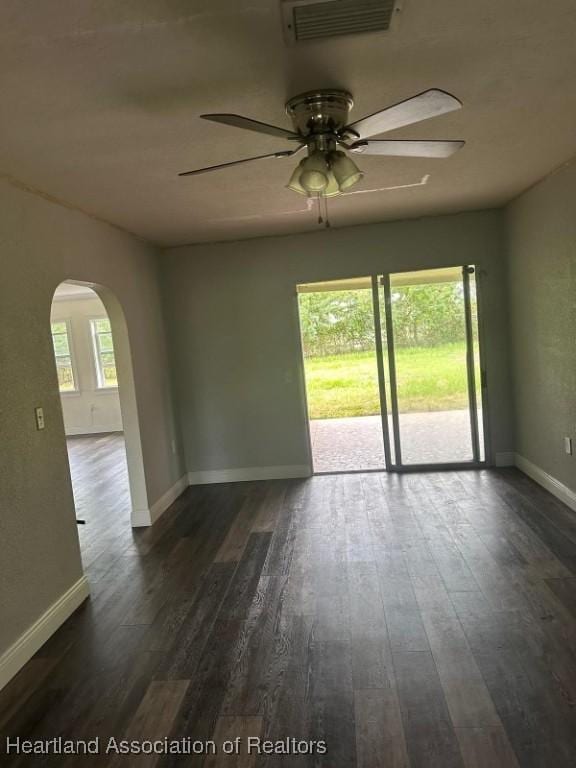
77, 305
42, 245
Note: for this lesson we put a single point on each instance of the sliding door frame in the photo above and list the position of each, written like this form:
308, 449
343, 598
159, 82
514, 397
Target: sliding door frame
381, 381
475, 463
472, 403
381, 372
396, 465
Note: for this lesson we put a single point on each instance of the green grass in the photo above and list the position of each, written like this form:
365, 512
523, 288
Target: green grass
429, 379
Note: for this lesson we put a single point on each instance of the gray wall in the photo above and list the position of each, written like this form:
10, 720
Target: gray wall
231, 310
42, 244
541, 227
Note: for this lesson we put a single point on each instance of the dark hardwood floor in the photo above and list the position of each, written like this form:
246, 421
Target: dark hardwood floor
102, 497
425, 620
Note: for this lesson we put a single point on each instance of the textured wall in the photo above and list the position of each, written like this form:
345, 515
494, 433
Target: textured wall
233, 325
541, 227
42, 244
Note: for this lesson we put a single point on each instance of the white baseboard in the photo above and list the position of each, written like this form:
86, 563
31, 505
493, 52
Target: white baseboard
142, 518
160, 506
12, 661
505, 459
555, 487
248, 473
81, 431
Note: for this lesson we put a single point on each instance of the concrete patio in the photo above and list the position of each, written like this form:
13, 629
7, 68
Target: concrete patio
355, 443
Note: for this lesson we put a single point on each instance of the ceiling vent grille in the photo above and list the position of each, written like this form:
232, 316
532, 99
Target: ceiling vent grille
317, 19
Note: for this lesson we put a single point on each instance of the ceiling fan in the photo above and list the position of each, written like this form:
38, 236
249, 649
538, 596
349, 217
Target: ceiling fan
320, 125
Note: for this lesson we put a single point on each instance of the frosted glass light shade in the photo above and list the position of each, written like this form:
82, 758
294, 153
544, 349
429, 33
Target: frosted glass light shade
314, 175
345, 170
294, 183
333, 188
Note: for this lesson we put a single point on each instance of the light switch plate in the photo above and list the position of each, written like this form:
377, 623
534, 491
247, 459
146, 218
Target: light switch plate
39, 414
568, 445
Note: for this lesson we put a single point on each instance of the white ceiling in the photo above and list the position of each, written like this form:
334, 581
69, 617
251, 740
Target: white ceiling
100, 103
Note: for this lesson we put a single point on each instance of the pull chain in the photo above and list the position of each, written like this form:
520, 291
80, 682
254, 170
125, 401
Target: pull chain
326, 213
323, 219
319, 201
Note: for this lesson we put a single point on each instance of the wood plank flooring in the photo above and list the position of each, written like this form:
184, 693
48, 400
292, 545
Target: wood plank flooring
422, 621
102, 497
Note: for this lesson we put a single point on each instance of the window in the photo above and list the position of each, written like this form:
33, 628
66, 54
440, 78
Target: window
63, 355
104, 353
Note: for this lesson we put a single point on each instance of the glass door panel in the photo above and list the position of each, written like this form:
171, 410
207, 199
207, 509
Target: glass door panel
430, 370
342, 374
478, 378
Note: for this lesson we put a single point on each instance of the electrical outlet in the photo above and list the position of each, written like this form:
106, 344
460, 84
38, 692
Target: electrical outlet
39, 414
568, 445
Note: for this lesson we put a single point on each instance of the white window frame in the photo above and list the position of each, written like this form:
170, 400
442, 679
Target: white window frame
72, 354
100, 385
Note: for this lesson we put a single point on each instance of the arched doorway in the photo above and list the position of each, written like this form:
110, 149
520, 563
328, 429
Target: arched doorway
100, 415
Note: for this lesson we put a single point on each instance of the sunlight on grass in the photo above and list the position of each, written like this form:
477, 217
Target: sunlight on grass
429, 379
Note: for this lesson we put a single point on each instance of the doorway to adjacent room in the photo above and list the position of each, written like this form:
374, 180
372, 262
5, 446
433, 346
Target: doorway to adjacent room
95, 383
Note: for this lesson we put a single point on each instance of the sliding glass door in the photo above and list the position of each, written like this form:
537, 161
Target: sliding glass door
393, 371
431, 333
339, 343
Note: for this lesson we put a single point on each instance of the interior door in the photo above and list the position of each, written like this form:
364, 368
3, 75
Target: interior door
430, 339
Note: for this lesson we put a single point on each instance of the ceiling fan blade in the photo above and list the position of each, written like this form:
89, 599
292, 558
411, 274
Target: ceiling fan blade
286, 153
400, 148
237, 121
422, 107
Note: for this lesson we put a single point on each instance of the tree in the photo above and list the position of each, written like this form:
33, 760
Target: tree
428, 315
339, 322
336, 322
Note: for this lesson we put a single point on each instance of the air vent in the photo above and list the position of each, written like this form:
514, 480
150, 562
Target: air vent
316, 19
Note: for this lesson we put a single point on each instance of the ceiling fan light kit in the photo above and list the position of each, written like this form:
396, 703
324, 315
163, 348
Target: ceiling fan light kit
324, 173
320, 125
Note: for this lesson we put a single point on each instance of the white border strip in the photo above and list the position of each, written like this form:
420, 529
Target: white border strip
12, 661
249, 473
555, 487
160, 506
90, 431
142, 518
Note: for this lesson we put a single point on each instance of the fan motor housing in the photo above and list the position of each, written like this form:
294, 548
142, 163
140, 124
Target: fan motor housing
320, 113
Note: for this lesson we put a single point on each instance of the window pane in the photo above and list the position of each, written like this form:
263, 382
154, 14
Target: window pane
109, 376
107, 359
63, 357
104, 352
61, 346
65, 375
105, 341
